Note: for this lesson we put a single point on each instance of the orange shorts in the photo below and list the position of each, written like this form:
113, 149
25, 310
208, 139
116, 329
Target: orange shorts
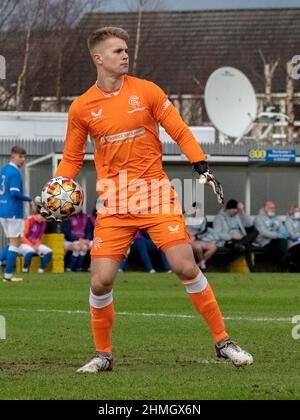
113, 234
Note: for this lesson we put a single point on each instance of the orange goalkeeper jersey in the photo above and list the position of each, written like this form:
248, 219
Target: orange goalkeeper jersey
124, 129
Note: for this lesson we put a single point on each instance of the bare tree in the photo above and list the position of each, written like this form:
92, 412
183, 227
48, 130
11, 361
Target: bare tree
67, 15
7, 9
39, 39
27, 17
290, 101
137, 36
269, 70
141, 6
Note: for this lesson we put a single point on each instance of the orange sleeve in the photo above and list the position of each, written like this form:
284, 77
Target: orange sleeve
165, 113
74, 148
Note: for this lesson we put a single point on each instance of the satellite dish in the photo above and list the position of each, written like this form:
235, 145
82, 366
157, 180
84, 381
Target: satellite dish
230, 101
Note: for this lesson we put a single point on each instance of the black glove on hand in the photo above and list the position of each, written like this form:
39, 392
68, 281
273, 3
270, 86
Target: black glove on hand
46, 214
206, 177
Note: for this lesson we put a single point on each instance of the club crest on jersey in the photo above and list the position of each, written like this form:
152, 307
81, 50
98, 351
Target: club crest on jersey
97, 114
135, 103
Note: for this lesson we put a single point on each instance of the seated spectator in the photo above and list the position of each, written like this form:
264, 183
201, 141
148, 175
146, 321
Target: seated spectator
89, 230
76, 241
272, 234
292, 225
230, 224
34, 230
197, 227
143, 244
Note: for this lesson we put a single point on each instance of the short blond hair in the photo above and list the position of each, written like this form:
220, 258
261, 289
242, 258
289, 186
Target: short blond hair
104, 33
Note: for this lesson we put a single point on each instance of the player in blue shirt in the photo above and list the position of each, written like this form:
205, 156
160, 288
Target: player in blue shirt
11, 208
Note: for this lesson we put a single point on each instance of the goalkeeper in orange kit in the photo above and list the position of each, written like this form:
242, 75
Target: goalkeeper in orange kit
121, 114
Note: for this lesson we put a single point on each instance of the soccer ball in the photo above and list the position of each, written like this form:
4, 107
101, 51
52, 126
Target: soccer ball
63, 197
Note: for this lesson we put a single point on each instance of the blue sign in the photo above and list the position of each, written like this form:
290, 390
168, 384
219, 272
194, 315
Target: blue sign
277, 155
272, 155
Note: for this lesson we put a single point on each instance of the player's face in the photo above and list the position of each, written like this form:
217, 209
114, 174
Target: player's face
18, 159
112, 56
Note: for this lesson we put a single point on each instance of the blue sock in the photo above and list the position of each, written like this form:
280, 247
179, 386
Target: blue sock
11, 259
45, 259
28, 258
80, 262
141, 246
166, 264
72, 261
3, 253
123, 264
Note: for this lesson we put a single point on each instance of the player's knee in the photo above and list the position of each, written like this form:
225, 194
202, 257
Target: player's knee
99, 289
186, 269
101, 284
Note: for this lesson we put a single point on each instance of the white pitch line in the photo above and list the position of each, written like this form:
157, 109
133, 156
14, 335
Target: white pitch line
164, 315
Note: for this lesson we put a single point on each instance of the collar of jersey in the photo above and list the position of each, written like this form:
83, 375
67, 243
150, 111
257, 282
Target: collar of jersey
14, 165
111, 93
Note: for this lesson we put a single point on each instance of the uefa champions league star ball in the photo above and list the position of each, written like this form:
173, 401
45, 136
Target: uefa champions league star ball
63, 197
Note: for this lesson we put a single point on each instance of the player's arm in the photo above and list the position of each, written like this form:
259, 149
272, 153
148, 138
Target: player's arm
165, 113
20, 196
74, 149
15, 187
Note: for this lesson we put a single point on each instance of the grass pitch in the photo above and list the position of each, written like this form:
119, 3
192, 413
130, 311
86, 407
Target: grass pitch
161, 346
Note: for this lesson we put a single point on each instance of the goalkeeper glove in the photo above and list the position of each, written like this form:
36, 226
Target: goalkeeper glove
206, 177
46, 214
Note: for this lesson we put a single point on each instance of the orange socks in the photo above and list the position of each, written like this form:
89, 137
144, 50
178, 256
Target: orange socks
204, 300
102, 321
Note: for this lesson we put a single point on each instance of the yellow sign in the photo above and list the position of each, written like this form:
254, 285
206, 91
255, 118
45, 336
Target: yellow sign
257, 154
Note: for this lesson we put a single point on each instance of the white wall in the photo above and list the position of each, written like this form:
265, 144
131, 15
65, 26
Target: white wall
202, 134
45, 125
33, 125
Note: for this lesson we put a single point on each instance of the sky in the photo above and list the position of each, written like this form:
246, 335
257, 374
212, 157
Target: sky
126, 5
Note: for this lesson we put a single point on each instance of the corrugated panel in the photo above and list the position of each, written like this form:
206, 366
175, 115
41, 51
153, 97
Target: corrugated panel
37, 148
33, 147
